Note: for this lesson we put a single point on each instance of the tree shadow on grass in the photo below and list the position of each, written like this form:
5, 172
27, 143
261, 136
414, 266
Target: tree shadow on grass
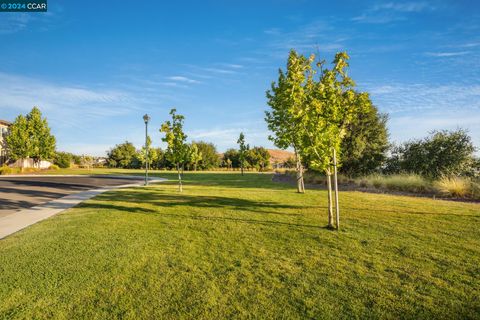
160, 200
403, 211
142, 210
229, 180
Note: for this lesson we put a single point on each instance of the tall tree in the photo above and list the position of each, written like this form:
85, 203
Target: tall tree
42, 142
18, 139
209, 153
30, 137
365, 144
243, 149
122, 155
285, 98
331, 105
177, 148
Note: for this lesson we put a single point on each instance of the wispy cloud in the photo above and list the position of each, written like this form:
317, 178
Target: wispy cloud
416, 109
447, 54
398, 98
69, 105
183, 79
311, 37
391, 12
12, 22
402, 6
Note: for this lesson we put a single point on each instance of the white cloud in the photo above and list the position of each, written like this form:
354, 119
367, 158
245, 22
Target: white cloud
417, 109
183, 79
12, 22
403, 6
447, 54
391, 12
67, 105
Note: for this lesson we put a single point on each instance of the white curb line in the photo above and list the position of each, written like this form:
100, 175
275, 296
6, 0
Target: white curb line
21, 219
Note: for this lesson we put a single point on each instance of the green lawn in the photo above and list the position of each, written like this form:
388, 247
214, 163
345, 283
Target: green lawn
244, 247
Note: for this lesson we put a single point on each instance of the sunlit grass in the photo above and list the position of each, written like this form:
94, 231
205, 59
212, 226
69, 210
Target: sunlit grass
244, 247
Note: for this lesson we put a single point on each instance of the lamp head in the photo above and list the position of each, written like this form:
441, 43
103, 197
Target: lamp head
146, 118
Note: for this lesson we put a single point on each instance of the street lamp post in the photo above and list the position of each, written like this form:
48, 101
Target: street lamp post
146, 118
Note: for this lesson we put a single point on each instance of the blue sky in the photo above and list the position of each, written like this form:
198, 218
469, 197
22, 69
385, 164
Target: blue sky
95, 67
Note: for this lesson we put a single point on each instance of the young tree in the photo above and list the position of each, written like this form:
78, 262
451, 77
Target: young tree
331, 105
286, 98
177, 150
142, 155
228, 162
195, 155
243, 149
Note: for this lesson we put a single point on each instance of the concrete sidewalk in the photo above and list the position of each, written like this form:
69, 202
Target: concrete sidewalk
21, 219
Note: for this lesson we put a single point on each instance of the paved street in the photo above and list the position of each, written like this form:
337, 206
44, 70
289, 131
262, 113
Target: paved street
24, 192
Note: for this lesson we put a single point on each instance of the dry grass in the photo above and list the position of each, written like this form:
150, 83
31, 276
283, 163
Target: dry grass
454, 187
398, 182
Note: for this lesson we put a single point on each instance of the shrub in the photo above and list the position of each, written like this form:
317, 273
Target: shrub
475, 189
441, 153
5, 170
454, 187
63, 159
54, 167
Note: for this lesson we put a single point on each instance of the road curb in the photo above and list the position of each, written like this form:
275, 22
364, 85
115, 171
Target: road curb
21, 219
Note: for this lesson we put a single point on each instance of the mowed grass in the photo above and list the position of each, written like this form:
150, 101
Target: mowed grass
244, 247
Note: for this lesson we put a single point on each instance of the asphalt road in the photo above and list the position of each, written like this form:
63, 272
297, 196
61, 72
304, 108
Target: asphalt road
24, 192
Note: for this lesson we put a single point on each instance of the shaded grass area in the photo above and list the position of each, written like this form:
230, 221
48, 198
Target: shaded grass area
244, 247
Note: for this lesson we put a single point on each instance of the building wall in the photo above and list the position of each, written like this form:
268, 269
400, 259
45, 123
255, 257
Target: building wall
3, 151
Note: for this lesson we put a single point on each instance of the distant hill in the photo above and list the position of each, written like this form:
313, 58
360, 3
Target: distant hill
279, 156
276, 155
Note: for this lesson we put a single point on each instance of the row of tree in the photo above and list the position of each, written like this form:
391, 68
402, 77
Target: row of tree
201, 156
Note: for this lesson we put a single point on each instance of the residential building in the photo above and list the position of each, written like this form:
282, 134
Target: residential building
3, 133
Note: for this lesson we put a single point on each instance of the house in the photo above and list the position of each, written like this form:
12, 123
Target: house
3, 132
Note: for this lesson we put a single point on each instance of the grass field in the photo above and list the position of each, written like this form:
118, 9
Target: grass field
244, 247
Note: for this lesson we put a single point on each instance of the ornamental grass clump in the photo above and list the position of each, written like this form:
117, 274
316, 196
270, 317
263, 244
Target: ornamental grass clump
457, 187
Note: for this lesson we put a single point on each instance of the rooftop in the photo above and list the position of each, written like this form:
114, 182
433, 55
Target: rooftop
4, 122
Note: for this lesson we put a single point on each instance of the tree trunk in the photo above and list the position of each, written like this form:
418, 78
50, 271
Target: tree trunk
299, 170
335, 180
241, 168
330, 208
180, 187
